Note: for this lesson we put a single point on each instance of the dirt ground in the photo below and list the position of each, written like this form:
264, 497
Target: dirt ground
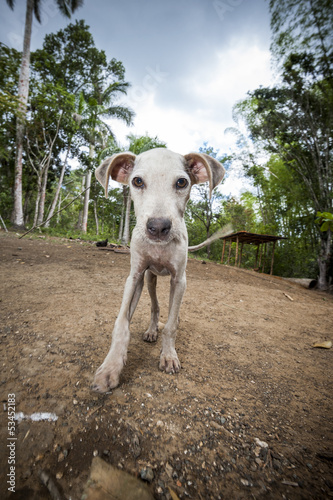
248, 416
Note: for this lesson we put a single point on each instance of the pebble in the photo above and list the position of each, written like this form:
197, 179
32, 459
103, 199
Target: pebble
147, 474
262, 444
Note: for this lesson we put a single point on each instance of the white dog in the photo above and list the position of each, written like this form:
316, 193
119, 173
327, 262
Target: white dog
160, 183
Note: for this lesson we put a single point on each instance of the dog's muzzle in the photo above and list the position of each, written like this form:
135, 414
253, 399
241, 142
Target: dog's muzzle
158, 229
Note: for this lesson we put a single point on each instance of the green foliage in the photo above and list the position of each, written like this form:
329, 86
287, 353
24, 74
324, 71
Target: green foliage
287, 155
325, 220
304, 26
10, 60
140, 144
293, 122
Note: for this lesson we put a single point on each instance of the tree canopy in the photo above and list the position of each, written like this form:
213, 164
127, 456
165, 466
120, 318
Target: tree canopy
285, 149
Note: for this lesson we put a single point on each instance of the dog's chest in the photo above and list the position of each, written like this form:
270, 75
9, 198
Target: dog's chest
159, 269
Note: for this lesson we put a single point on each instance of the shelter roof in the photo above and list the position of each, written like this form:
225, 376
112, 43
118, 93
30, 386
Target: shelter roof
255, 239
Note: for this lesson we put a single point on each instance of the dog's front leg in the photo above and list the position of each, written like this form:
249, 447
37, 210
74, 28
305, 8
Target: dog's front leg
169, 361
107, 375
152, 332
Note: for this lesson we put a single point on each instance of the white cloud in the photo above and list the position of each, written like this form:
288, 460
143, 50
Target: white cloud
212, 95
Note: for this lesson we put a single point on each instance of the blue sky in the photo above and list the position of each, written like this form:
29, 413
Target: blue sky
189, 62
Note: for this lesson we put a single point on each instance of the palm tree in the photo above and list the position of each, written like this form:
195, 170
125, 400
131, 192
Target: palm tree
100, 105
66, 7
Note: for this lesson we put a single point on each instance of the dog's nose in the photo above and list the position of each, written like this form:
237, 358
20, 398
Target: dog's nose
159, 228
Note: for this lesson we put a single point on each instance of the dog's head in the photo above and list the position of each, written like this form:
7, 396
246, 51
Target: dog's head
160, 182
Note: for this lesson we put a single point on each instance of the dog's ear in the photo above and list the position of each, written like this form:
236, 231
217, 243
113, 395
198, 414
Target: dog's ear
118, 167
202, 168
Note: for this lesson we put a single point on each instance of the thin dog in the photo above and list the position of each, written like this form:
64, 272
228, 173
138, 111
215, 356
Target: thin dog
160, 182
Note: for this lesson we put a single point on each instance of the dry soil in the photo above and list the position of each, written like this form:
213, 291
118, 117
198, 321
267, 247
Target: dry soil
248, 416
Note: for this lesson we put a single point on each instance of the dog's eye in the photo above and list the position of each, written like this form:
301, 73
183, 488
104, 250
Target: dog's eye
138, 182
181, 183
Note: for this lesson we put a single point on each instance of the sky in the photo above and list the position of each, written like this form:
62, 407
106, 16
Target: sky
188, 62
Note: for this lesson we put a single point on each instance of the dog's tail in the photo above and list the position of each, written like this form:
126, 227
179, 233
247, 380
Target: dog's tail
221, 233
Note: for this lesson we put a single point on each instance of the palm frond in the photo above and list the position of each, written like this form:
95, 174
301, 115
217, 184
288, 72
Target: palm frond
37, 10
125, 114
11, 4
68, 7
113, 89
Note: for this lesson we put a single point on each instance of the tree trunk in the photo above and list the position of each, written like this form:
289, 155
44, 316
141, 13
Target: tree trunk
25, 207
96, 217
86, 202
59, 206
79, 222
45, 173
56, 196
23, 92
121, 226
126, 235
324, 259
208, 246
43, 193
39, 192
87, 193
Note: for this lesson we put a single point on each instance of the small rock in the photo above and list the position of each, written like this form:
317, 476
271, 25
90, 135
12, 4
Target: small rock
59, 475
61, 456
168, 470
262, 444
95, 453
147, 474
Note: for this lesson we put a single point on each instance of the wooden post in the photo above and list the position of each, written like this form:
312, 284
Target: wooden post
264, 258
272, 263
240, 255
223, 250
229, 252
256, 261
260, 254
236, 256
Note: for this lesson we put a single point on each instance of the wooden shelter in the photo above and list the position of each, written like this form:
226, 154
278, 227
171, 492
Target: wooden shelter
262, 242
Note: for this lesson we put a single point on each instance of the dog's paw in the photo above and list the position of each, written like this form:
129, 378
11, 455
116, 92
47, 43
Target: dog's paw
150, 335
105, 380
169, 363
